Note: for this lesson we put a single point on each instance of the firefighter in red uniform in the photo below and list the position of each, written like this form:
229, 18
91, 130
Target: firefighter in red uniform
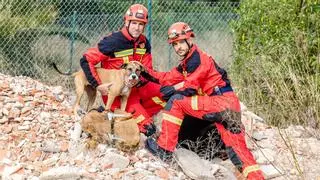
198, 87
128, 44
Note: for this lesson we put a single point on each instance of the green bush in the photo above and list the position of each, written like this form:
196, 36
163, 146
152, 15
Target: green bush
277, 57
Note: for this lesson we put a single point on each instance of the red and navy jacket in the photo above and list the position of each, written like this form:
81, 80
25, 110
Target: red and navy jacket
114, 50
199, 72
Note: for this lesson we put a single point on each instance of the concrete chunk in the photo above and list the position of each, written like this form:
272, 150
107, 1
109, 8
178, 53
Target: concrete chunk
269, 171
63, 172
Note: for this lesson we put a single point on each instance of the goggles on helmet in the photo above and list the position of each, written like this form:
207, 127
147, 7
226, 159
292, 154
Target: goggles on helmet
140, 16
174, 35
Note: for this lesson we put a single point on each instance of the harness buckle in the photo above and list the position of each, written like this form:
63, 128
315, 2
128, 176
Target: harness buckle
217, 90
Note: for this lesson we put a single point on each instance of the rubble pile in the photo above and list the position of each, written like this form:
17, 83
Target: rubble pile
40, 139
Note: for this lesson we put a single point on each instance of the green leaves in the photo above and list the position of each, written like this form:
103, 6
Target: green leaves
277, 47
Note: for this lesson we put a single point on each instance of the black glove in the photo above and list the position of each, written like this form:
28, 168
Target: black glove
231, 120
167, 92
187, 92
150, 129
156, 150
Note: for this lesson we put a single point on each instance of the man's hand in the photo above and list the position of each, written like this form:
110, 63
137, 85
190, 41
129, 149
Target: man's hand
104, 88
167, 92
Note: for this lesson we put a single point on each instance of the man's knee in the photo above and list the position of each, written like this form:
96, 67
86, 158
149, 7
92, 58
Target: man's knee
231, 120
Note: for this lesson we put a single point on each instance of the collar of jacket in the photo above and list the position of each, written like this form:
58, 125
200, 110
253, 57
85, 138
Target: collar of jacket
186, 59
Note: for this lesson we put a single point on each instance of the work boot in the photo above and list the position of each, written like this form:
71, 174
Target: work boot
156, 150
150, 129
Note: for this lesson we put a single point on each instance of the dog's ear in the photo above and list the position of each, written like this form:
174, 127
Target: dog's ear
142, 69
124, 66
140, 65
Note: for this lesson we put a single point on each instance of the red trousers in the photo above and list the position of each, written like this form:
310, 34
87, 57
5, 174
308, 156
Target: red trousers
143, 103
197, 106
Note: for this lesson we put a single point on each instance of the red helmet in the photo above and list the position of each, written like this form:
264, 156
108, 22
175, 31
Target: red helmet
179, 31
137, 12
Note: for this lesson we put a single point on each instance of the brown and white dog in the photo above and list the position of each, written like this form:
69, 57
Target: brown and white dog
119, 83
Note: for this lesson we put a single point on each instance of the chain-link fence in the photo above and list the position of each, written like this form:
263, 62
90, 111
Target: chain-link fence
33, 34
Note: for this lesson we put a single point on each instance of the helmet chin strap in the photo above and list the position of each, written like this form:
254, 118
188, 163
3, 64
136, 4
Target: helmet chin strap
128, 29
189, 46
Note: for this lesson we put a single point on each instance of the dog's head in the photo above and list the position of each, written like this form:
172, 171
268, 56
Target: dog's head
133, 70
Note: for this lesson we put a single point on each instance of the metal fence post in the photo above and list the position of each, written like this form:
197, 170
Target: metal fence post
74, 28
149, 20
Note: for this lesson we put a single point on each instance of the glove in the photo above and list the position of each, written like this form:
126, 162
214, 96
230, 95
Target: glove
167, 92
150, 129
156, 150
187, 92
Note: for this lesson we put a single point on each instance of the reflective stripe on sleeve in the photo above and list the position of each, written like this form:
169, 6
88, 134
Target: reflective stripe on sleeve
157, 100
172, 119
194, 102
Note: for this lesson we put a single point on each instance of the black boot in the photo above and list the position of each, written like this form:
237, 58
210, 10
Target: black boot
150, 129
156, 150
